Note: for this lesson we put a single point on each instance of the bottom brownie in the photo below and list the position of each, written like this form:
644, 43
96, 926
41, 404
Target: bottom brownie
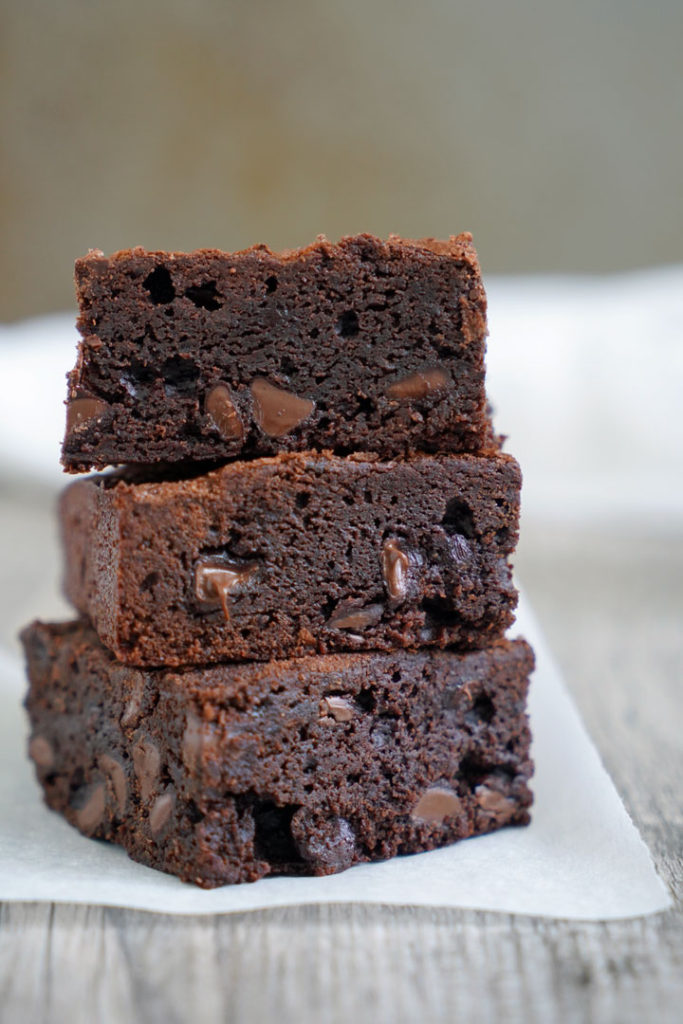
233, 772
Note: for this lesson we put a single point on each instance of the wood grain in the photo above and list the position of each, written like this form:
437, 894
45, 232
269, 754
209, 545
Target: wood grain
612, 606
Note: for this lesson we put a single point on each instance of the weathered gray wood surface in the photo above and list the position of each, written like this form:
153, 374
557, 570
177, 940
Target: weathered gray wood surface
612, 606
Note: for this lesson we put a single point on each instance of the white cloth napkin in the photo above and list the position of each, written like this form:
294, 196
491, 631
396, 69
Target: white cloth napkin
586, 375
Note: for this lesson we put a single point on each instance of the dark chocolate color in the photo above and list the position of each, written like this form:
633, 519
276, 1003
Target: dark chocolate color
367, 345
233, 772
295, 555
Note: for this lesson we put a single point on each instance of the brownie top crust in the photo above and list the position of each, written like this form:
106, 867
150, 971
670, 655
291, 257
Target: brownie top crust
459, 247
362, 345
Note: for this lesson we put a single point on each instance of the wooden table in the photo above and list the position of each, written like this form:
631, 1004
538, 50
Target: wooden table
612, 606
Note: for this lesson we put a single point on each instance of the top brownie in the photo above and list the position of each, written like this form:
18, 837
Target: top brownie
366, 345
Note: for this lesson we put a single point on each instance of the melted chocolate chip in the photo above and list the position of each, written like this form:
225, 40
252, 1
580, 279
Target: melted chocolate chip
493, 802
147, 764
356, 618
338, 708
115, 770
395, 568
460, 548
222, 410
81, 411
192, 741
327, 843
215, 583
41, 752
418, 385
278, 411
91, 812
435, 804
160, 812
133, 709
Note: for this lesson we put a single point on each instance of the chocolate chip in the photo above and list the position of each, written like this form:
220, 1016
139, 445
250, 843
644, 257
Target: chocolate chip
91, 811
41, 751
131, 712
222, 410
493, 802
459, 548
356, 618
133, 709
326, 842
160, 812
82, 411
338, 708
192, 741
435, 804
395, 569
278, 411
147, 764
418, 385
215, 582
116, 772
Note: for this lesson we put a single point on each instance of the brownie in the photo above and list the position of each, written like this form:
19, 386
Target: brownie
294, 555
236, 771
366, 345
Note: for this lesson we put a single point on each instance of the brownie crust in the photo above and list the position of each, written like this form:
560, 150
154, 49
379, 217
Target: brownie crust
364, 345
233, 772
295, 555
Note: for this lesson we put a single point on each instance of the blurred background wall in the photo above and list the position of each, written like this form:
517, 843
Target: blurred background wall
552, 130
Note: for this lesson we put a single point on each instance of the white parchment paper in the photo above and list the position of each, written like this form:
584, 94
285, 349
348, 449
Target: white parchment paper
581, 858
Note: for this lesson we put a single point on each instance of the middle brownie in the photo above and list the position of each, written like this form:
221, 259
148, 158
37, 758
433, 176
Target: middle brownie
293, 555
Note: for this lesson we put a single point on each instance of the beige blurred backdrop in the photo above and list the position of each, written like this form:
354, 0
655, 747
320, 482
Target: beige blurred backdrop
551, 130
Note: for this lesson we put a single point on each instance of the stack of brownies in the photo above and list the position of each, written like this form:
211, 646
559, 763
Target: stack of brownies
294, 591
